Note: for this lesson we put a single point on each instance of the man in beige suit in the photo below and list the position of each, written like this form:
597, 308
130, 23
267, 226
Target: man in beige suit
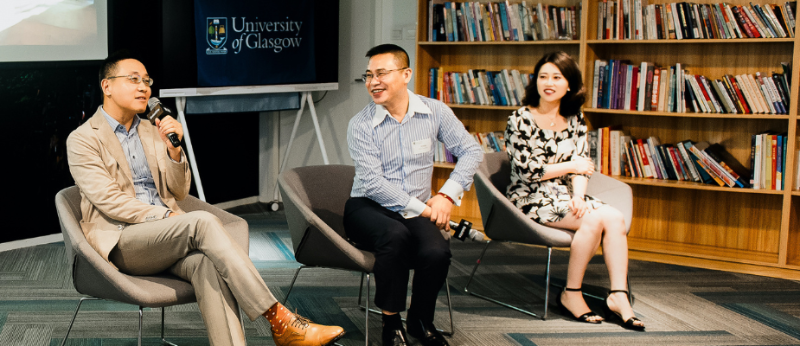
130, 177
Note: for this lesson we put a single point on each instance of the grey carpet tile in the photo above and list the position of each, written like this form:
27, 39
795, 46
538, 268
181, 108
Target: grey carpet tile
680, 305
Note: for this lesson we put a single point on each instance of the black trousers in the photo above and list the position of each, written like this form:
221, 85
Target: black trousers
400, 245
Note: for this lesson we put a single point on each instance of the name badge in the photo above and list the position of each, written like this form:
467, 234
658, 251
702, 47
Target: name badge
421, 146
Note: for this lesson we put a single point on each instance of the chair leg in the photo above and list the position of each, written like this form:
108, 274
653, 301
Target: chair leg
163, 339
76, 315
362, 307
450, 308
140, 325
367, 311
512, 307
547, 282
286, 299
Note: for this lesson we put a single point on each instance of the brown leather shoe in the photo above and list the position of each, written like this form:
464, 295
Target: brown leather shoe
290, 329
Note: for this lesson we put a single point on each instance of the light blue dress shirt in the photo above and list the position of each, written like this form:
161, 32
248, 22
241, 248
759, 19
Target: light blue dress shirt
143, 182
394, 160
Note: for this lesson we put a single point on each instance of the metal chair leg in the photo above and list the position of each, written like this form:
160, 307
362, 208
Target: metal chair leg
450, 308
75, 315
547, 282
286, 298
367, 311
512, 307
140, 325
163, 339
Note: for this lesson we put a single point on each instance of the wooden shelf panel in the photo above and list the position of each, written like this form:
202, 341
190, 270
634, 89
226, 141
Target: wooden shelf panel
687, 115
486, 107
691, 185
503, 43
700, 251
694, 41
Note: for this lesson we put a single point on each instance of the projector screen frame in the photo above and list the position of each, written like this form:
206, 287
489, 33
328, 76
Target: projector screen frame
247, 90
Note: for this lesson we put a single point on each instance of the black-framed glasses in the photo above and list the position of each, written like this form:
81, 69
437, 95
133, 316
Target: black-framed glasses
136, 79
367, 77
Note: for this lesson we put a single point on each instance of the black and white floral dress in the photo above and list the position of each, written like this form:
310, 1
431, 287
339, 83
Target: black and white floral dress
530, 150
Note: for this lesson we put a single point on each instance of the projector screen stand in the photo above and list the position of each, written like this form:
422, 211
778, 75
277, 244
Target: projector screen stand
305, 98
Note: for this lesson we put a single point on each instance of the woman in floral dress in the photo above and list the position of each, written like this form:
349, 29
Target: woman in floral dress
550, 169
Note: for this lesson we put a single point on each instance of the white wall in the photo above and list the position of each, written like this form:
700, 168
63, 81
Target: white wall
358, 32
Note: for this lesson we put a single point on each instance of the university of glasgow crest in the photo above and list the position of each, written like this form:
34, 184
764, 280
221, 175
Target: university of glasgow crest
216, 35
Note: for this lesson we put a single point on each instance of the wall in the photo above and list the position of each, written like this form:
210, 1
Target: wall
358, 32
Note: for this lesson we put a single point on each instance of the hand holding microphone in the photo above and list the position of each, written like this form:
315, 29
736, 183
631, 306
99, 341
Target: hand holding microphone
464, 230
168, 126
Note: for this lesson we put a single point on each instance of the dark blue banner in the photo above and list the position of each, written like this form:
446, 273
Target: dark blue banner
254, 42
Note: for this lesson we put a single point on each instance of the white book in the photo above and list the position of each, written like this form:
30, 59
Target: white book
628, 81
701, 97
598, 64
662, 90
757, 164
714, 101
642, 85
543, 21
600, 12
679, 85
698, 32
773, 89
661, 173
613, 146
732, 24
698, 95
765, 92
599, 151
519, 89
755, 108
650, 162
775, 23
693, 173
722, 90
755, 91
677, 21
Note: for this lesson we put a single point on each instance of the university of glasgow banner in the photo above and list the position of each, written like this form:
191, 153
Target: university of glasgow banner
254, 42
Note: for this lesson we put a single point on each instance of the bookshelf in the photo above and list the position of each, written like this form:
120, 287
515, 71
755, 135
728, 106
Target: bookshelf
678, 222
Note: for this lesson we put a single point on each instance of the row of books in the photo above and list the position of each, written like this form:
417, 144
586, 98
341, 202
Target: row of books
616, 153
501, 21
636, 20
768, 160
491, 142
478, 87
618, 84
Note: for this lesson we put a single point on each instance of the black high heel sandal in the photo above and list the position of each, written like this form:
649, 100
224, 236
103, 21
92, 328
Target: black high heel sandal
582, 318
631, 322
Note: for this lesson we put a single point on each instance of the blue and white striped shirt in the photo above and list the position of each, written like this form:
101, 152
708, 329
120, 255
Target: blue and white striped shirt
143, 182
394, 161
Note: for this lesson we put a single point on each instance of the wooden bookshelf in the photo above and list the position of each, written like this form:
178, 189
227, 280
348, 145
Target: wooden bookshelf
678, 222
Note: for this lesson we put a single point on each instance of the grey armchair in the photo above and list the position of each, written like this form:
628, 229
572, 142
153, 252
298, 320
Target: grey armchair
96, 278
314, 199
503, 222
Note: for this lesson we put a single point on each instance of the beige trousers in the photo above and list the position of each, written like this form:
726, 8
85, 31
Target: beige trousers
197, 248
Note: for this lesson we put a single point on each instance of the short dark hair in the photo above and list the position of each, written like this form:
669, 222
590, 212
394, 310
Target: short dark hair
109, 66
574, 98
400, 55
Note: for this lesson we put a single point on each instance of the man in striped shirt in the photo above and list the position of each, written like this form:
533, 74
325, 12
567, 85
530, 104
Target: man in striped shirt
391, 211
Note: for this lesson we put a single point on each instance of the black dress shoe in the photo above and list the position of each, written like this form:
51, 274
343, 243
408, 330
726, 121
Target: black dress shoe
426, 333
395, 337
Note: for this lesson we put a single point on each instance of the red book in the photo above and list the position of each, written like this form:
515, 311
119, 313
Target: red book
659, 33
676, 158
740, 18
643, 154
656, 86
634, 88
739, 94
750, 23
705, 92
774, 158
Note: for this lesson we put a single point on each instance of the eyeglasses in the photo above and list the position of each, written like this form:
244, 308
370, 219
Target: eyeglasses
136, 79
367, 77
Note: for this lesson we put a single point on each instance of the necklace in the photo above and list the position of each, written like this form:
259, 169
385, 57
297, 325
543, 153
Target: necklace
553, 121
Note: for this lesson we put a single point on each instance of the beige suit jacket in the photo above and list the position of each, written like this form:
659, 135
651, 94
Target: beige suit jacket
101, 171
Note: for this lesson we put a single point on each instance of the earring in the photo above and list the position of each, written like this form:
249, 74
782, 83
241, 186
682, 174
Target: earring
568, 89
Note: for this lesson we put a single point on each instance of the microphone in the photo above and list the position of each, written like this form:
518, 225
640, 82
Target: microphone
158, 111
464, 230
